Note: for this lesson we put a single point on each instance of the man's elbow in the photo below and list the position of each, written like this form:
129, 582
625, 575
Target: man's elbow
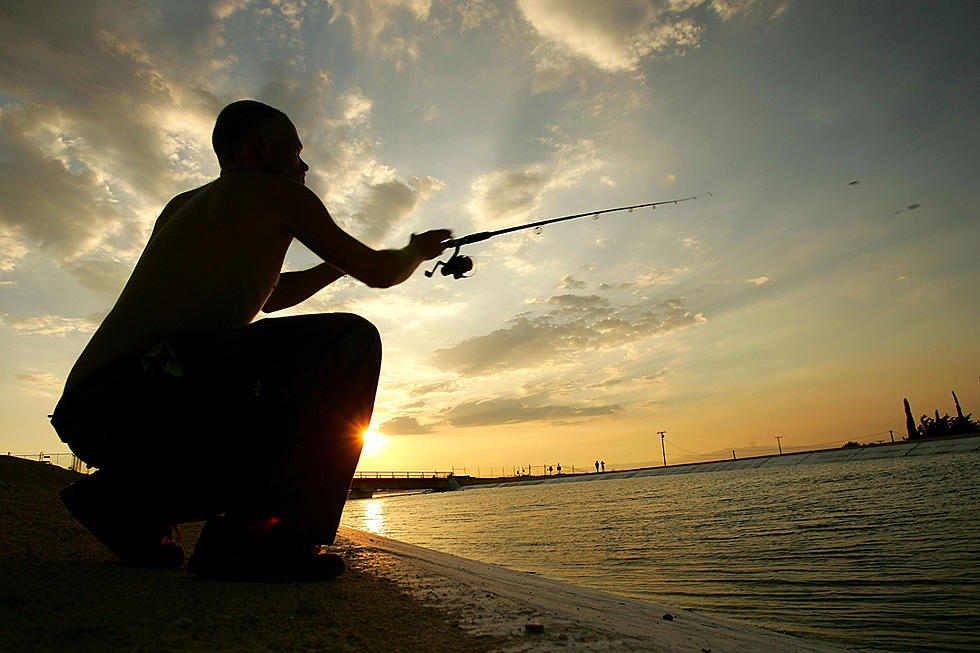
379, 278
380, 282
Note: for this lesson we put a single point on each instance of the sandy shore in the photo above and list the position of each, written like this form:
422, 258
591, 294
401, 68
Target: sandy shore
60, 589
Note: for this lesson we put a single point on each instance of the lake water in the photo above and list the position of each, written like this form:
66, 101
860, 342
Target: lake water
871, 555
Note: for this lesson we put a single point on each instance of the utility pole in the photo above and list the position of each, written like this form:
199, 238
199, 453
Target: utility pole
779, 444
662, 449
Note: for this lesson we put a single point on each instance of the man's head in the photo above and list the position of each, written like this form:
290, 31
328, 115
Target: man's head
254, 137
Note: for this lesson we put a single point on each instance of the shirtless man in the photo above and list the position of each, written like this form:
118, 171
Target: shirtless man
192, 411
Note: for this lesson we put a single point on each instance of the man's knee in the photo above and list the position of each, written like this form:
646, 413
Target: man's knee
361, 329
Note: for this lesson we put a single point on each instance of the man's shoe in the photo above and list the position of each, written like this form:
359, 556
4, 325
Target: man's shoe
236, 553
136, 540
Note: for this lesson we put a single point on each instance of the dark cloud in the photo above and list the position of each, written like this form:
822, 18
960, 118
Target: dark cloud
97, 120
384, 206
404, 425
578, 323
492, 412
103, 275
510, 194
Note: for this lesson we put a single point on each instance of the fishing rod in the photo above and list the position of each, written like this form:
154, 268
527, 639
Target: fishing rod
458, 264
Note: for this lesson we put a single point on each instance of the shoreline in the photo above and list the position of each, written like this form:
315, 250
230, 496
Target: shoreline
60, 588
553, 615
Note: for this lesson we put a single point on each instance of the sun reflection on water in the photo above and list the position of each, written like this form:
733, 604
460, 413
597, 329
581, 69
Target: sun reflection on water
375, 517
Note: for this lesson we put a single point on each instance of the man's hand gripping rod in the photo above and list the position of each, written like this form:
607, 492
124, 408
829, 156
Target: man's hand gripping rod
458, 265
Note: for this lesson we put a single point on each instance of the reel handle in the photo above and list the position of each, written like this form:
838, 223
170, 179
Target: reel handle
456, 265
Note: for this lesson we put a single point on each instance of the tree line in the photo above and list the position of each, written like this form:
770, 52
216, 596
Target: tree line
938, 426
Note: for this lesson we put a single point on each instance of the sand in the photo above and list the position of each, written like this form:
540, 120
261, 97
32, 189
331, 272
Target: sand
61, 589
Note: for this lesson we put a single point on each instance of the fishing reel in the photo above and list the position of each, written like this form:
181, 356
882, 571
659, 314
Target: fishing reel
456, 265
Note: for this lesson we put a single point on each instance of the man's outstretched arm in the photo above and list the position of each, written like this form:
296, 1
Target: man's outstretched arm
305, 217
298, 286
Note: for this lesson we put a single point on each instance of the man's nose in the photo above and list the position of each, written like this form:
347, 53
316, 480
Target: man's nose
303, 166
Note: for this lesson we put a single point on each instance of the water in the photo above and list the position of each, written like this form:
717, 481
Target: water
871, 555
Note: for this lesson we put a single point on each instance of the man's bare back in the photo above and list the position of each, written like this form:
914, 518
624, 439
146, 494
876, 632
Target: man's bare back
214, 260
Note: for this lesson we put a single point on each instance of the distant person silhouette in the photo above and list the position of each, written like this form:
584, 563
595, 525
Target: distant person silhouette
189, 409
603, 464
597, 467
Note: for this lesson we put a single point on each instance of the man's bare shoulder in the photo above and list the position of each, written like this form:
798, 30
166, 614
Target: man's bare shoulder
260, 185
265, 198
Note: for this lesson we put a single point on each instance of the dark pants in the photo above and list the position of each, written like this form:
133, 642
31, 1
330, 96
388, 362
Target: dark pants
263, 421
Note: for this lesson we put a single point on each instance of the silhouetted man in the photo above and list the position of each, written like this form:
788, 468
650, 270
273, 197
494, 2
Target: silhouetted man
192, 411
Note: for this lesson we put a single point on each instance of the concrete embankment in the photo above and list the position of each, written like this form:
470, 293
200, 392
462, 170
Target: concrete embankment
538, 615
959, 444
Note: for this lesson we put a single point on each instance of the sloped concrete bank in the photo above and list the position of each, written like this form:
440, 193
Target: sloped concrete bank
535, 614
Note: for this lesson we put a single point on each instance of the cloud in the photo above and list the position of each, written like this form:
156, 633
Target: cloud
398, 307
617, 35
384, 205
576, 324
67, 212
383, 25
426, 186
97, 133
43, 384
570, 282
504, 410
727, 9
103, 275
356, 107
512, 194
614, 34
553, 66
430, 388
12, 248
759, 281
475, 13
108, 114
48, 325
659, 276
404, 425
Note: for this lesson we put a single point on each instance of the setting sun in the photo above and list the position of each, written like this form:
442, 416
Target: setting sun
374, 442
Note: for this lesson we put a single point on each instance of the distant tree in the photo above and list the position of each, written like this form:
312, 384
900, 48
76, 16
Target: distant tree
851, 445
910, 422
962, 423
939, 426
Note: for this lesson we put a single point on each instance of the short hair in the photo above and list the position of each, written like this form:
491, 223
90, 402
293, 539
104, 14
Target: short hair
235, 122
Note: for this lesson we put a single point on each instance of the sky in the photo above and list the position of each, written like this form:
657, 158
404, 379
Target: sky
832, 272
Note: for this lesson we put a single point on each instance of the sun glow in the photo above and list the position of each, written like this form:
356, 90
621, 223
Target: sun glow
374, 442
